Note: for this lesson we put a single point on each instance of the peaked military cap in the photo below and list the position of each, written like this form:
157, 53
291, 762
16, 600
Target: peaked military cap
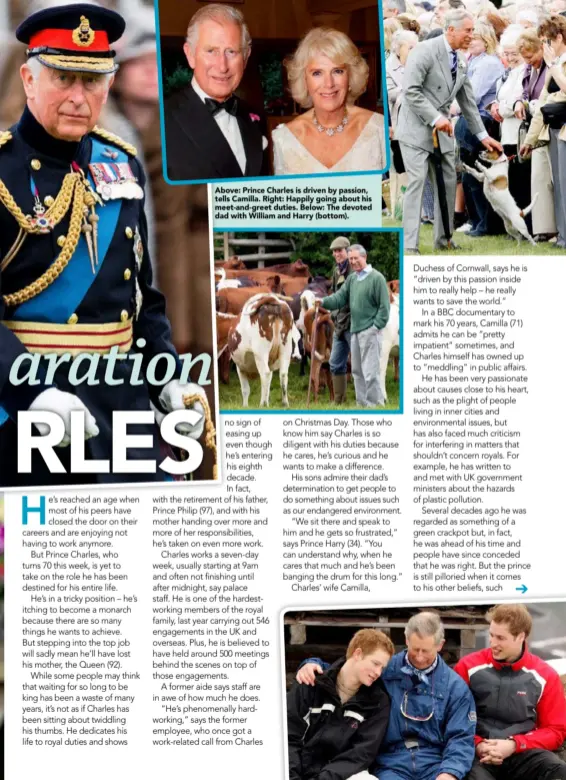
73, 37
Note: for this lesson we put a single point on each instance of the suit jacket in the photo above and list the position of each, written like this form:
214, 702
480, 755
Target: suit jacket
428, 90
197, 149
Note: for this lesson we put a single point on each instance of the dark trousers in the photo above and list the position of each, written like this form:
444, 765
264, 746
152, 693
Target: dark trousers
530, 765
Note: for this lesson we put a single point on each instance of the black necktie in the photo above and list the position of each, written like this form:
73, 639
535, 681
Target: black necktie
454, 64
230, 105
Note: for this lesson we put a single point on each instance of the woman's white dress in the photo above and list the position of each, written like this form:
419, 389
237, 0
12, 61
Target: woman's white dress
366, 154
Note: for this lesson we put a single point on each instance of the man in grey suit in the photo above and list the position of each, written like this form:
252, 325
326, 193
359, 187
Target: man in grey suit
435, 75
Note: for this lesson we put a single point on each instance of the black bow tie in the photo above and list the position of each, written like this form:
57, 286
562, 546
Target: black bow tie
230, 105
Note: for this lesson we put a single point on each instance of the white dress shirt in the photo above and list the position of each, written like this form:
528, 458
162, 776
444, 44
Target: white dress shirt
229, 127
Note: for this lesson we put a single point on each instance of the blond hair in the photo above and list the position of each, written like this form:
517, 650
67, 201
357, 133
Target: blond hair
487, 34
339, 49
529, 41
390, 27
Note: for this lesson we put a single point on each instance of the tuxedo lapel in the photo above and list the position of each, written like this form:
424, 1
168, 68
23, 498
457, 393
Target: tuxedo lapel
252, 140
199, 126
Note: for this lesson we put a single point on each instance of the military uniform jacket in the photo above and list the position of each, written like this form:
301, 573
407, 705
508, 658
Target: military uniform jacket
33, 163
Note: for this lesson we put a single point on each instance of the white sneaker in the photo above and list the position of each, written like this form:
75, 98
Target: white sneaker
464, 228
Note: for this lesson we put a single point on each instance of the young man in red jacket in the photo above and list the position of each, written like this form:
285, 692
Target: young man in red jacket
520, 703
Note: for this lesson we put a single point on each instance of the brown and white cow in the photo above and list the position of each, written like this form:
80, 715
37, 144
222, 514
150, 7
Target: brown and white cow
231, 301
394, 287
222, 283
298, 269
233, 263
390, 339
319, 346
224, 323
262, 342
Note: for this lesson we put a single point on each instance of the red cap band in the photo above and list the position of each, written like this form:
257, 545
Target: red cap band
63, 39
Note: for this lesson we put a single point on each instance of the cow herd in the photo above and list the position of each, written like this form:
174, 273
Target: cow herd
265, 317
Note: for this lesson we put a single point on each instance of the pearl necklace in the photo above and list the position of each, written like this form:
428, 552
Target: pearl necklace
330, 131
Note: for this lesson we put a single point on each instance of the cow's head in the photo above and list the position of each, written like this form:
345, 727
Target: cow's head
234, 263
275, 285
301, 268
297, 342
307, 299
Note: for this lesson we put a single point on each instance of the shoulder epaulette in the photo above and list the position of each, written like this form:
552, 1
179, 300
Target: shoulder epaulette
115, 139
5, 136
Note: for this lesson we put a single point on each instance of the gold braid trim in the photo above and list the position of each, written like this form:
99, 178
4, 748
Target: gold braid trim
72, 62
5, 136
54, 213
210, 431
115, 139
67, 251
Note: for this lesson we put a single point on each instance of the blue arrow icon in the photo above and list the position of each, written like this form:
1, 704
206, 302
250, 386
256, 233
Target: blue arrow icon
523, 589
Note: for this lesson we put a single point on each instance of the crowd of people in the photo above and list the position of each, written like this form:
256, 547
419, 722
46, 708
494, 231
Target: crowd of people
514, 57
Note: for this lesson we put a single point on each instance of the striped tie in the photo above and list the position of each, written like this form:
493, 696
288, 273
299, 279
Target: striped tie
453, 64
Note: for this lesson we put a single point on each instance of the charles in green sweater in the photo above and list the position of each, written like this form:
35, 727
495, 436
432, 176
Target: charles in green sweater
368, 299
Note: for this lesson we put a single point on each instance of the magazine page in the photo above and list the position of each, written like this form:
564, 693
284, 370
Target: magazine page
279, 454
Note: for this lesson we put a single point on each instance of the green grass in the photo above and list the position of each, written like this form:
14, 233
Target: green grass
489, 245
231, 395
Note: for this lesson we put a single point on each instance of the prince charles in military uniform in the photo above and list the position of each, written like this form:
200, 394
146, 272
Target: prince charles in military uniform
75, 275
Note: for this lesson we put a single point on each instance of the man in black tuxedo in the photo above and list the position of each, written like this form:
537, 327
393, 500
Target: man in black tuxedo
209, 132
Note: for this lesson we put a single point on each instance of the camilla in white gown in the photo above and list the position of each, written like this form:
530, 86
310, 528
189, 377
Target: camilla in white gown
367, 153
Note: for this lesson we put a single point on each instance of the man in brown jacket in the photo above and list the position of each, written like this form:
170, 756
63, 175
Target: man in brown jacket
341, 340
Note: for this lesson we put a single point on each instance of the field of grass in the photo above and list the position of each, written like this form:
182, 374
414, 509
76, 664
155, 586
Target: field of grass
488, 245
231, 395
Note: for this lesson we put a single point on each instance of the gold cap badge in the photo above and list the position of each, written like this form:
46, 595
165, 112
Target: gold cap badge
83, 35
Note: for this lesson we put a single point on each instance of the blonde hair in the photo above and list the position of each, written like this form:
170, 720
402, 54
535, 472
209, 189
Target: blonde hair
529, 41
390, 27
401, 37
487, 34
339, 49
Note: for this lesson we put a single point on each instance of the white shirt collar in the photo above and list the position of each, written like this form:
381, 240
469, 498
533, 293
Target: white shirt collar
449, 48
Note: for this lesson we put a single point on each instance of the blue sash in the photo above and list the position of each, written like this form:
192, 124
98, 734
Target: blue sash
64, 295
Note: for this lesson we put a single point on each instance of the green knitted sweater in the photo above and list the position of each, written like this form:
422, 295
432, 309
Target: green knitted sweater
368, 300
